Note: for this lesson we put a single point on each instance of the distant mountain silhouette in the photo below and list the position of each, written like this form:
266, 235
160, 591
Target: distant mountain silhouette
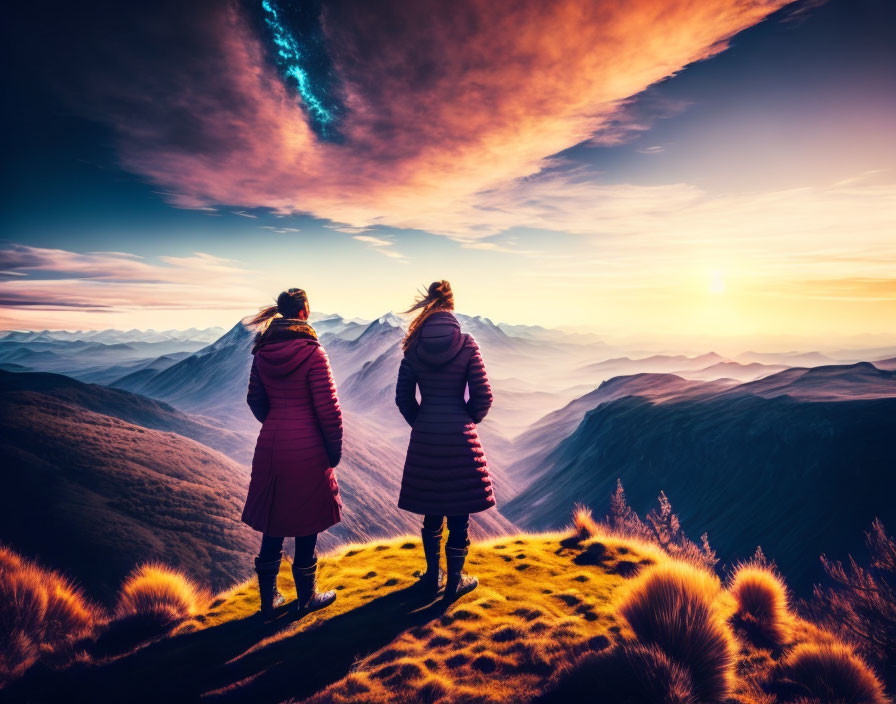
657, 364
799, 462
888, 364
732, 370
791, 359
91, 359
827, 383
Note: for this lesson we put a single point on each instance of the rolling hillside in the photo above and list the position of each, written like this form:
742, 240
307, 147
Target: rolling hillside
126, 406
93, 495
534, 447
748, 469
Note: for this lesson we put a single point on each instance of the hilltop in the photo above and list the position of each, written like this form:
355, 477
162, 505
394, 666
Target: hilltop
545, 602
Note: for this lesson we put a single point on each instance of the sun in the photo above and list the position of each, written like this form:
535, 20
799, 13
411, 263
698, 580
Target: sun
717, 282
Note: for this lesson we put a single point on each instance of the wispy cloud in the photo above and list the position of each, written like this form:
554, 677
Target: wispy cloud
384, 247
280, 230
55, 279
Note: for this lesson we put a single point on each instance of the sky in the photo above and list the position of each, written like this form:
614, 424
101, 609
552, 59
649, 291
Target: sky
650, 169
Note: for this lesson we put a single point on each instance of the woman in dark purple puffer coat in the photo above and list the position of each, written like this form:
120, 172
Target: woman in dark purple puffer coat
293, 490
445, 473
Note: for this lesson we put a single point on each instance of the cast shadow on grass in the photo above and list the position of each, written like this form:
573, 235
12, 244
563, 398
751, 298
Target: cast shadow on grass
223, 663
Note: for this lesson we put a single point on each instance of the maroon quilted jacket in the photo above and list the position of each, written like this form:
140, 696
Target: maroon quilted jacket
293, 490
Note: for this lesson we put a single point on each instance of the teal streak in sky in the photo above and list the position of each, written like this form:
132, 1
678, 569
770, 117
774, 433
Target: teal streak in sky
292, 62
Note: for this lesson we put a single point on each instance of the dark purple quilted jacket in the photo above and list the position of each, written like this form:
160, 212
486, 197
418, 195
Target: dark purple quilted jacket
445, 472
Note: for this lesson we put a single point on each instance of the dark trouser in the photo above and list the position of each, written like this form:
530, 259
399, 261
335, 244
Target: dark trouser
458, 528
272, 546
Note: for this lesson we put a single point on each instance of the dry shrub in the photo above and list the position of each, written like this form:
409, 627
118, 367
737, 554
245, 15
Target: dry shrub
672, 607
42, 616
631, 674
829, 673
583, 522
661, 527
157, 597
762, 604
860, 603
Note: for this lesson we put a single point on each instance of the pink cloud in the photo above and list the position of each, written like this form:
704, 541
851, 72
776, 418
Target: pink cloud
36, 278
445, 101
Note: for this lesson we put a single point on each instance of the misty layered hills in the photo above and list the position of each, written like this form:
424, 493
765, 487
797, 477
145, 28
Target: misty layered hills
111, 335
888, 364
658, 363
93, 494
785, 463
212, 381
98, 358
732, 370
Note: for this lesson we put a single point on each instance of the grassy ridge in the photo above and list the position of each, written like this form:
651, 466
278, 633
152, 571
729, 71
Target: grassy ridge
551, 608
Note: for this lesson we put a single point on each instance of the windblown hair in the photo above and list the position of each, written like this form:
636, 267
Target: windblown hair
437, 297
289, 304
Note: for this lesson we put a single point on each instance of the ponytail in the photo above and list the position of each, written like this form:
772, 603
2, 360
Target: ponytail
437, 297
289, 304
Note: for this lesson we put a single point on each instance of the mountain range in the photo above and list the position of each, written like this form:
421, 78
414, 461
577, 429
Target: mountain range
798, 462
743, 445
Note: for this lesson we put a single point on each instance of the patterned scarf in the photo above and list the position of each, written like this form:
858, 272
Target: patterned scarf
282, 329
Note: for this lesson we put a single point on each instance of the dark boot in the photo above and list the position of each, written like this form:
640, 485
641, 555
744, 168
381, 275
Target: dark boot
306, 588
431, 580
457, 583
271, 598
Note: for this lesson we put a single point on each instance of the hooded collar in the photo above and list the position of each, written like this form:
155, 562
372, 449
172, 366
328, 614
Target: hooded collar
439, 340
277, 359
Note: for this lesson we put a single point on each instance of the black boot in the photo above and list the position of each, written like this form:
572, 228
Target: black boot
457, 583
431, 580
306, 588
271, 598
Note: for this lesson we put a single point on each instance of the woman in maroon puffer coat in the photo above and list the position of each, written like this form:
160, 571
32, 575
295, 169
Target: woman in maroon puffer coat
445, 473
293, 490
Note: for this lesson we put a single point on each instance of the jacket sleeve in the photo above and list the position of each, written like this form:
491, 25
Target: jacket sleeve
406, 392
257, 397
480, 391
326, 405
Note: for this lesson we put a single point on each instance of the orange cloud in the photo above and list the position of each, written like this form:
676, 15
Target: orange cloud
445, 102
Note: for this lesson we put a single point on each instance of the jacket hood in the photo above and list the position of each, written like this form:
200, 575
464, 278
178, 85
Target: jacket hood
438, 341
278, 359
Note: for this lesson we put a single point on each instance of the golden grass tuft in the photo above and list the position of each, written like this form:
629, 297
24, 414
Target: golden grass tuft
158, 597
42, 616
828, 673
583, 522
629, 674
762, 604
674, 608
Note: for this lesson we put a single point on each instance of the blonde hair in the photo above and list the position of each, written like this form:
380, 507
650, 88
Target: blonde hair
437, 297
